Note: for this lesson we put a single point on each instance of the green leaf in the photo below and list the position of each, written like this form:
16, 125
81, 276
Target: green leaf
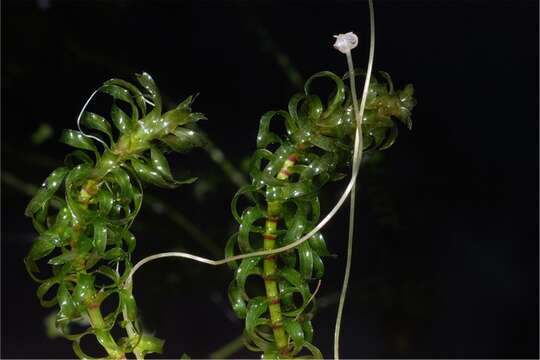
315, 352
130, 240
84, 292
318, 244
149, 174
128, 301
116, 92
100, 237
43, 289
295, 331
180, 116
67, 307
114, 254
295, 278
41, 247
149, 344
148, 83
47, 190
64, 258
229, 250
305, 257
236, 299
160, 163
105, 201
339, 95
307, 327
78, 140
138, 95
246, 190
248, 266
97, 122
265, 137
250, 216
120, 119
182, 140
256, 308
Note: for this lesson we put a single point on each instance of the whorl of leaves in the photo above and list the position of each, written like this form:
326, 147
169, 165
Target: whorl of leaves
320, 137
87, 242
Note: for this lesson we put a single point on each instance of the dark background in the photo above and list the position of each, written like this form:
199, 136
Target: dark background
446, 255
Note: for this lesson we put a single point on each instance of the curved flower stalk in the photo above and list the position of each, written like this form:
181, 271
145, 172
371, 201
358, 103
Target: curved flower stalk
287, 171
87, 243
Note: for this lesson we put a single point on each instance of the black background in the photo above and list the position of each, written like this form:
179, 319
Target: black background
446, 255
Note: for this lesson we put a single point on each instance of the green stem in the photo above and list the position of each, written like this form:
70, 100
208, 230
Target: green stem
269, 273
270, 267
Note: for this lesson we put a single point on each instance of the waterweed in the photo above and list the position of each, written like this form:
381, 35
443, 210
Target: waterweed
278, 239
90, 234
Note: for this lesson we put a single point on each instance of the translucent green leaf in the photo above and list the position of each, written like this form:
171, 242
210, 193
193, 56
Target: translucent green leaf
148, 83
305, 257
138, 95
47, 190
128, 301
318, 244
105, 201
116, 92
149, 174
250, 216
120, 119
295, 331
97, 122
229, 250
67, 307
84, 292
149, 344
130, 240
41, 247
114, 254
296, 279
265, 137
160, 163
339, 95
180, 116
182, 140
318, 266
256, 308
246, 190
64, 258
78, 140
307, 327
315, 352
100, 237
236, 299
248, 266
43, 289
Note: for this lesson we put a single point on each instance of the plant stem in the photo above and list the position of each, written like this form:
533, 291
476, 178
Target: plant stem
269, 273
270, 265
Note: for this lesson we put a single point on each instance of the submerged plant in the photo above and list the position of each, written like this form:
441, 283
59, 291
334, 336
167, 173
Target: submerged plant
87, 242
288, 171
278, 239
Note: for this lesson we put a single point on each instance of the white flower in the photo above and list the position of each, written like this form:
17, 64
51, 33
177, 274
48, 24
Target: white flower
346, 42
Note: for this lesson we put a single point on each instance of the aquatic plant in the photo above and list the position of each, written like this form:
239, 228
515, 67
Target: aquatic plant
88, 245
